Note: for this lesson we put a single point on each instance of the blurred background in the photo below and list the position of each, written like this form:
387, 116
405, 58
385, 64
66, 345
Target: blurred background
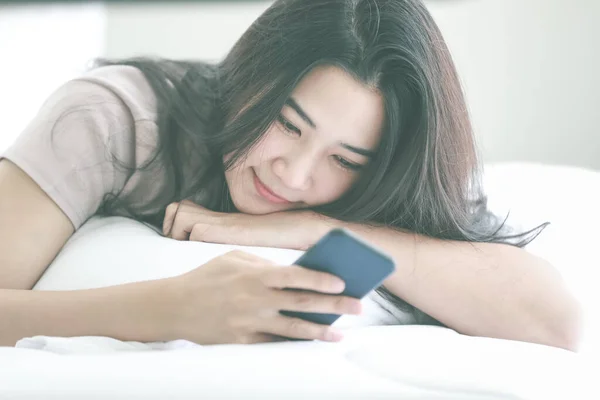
530, 68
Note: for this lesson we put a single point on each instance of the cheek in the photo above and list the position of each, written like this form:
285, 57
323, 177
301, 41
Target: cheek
274, 144
262, 151
332, 185
270, 146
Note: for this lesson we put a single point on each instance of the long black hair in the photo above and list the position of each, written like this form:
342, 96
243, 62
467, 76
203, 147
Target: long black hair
426, 175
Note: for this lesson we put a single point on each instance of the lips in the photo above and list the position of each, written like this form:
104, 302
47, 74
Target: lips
266, 193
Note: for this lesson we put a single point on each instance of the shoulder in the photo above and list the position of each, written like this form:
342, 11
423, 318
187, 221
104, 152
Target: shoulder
116, 86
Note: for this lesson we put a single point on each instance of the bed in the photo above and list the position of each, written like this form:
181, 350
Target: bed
373, 361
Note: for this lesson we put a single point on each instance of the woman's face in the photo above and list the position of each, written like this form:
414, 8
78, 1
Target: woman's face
313, 153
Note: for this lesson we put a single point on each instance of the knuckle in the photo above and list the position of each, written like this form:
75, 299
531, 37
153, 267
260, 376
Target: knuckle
251, 257
270, 278
232, 254
236, 325
240, 299
342, 304
286, 277
237, 254
298, 328
248, 298
266, 278
345, 305
303, 300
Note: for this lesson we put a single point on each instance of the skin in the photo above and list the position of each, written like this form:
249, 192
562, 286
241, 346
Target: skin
304, 160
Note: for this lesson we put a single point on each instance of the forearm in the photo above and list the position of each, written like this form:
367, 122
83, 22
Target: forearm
480, 289
126, 312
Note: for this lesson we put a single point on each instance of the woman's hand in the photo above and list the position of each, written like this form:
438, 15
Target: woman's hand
291, 229
236, 298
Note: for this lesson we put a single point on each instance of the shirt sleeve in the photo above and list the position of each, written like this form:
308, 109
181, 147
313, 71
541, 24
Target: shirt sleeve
69, 148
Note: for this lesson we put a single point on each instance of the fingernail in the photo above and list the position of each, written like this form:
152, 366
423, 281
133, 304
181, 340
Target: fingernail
334, 335
339, 286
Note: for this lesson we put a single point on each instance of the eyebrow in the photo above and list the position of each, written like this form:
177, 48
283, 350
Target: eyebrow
296, 107
292, 103
359, 150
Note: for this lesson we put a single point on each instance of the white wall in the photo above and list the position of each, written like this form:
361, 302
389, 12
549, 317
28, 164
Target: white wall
178, 30
42, 46
531, 73
530, 67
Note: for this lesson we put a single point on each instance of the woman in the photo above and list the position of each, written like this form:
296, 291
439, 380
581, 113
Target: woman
325, 113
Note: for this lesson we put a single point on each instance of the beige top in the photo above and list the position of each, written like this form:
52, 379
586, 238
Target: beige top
68, 148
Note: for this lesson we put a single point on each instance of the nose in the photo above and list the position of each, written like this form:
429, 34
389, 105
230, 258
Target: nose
295, 170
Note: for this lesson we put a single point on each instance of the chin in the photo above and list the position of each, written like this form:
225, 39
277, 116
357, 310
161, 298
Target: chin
249, 209
260, 208
255, 208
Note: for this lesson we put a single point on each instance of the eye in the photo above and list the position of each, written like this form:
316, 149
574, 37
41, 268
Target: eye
288, 126
347, 164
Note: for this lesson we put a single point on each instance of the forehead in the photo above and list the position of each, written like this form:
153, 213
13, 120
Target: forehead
342, 108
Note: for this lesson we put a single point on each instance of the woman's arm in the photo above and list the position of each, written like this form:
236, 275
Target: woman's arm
480, 289
32, 231
126, 312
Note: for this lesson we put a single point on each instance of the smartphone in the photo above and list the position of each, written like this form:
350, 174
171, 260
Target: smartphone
359, 264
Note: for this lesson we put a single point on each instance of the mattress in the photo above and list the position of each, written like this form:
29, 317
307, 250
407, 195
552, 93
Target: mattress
373, 361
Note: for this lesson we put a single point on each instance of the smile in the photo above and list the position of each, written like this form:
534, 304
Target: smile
266, 193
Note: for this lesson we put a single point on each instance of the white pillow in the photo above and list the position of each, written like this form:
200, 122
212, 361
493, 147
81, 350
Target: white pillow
108, 251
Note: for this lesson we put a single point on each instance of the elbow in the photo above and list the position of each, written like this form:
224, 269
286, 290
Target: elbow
568, 330
563, 321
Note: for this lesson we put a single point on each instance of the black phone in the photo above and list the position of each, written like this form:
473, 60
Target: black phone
359, 264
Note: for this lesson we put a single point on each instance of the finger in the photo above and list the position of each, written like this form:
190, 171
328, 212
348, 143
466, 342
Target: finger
170, 213
296, 328
183, 222
181, 228
186, 220
297, 277
317, 303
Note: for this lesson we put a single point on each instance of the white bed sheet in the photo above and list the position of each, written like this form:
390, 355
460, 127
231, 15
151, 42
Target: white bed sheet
401, 362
